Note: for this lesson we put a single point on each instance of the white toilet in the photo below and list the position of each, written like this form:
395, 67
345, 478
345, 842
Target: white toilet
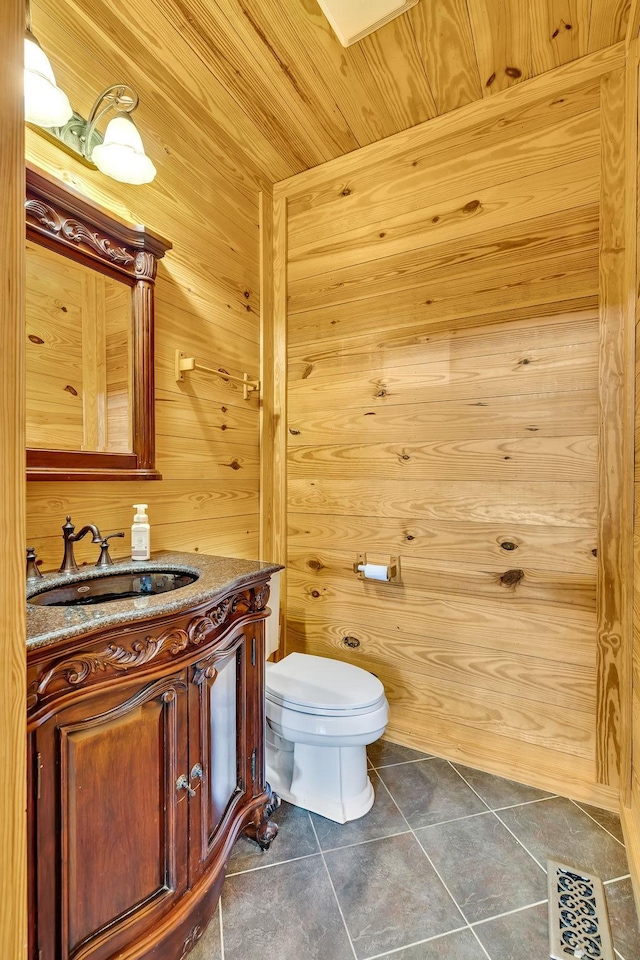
321, 714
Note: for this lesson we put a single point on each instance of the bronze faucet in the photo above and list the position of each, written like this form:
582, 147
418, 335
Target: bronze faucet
69, 564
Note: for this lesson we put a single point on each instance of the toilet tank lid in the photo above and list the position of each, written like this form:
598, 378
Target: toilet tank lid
319, 681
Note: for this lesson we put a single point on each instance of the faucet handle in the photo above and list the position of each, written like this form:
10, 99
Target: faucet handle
105, 560
33, 572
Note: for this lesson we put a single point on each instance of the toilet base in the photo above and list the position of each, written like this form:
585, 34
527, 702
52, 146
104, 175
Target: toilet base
329, 780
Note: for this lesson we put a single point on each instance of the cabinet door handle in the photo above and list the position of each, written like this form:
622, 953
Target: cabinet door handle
196, 771
182, 783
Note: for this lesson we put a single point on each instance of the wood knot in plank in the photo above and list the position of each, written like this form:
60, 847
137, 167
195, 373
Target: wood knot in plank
471, 207
509, 545
511, 578
513, 72
35, 339
315, 564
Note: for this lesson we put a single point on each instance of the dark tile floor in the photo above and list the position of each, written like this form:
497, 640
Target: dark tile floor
448, 865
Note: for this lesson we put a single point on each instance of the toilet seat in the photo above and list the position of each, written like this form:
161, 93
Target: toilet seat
323, 687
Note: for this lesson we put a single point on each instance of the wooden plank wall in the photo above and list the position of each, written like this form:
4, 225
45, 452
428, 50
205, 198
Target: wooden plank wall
452, 400
207, 304
13, 784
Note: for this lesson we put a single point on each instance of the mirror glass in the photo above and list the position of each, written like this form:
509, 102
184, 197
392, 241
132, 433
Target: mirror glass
78, 356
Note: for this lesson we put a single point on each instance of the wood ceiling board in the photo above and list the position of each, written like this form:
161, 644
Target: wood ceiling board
170, 79
443, 36
280, 100
304, 40
559, 32
394, 59
607, 22
502, 39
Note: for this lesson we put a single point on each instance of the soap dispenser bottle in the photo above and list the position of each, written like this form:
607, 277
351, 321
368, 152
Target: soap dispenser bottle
140, 533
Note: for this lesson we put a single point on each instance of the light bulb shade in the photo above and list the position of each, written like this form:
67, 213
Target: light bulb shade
44, 102
122, 155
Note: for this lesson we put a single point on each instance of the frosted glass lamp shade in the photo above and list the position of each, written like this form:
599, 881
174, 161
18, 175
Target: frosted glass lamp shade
122, 155
44, 102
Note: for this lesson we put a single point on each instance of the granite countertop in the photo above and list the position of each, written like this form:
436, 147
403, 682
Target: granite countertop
216, 577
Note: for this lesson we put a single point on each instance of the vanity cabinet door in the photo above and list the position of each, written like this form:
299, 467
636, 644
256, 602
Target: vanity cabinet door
220, 723
111, 826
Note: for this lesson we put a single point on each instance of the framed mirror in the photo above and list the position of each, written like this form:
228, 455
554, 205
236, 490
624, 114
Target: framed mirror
90, 346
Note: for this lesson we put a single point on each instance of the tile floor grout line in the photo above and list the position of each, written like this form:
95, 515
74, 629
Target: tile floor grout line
277, 863
441, 823
575, 803
429, 860
498, 818
507, 913
359, 843
416, 943
527, 803
515, 837
626, 876
481, 944
221, 928
335, 895
399, 763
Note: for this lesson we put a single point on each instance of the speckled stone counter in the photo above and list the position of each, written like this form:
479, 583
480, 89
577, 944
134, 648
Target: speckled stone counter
216, 577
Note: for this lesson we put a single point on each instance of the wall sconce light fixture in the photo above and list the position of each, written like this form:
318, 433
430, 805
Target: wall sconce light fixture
119, 153
44, 102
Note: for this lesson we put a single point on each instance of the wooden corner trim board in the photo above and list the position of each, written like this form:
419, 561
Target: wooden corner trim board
631, 833
13, 654
616, 433
563, 78
633, 24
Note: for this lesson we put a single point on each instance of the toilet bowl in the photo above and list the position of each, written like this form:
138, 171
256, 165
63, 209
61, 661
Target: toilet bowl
321, 714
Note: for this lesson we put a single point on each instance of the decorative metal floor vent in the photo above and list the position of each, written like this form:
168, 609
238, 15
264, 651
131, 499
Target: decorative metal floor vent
578, 918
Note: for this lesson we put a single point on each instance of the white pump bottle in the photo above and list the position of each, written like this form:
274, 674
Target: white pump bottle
140, 533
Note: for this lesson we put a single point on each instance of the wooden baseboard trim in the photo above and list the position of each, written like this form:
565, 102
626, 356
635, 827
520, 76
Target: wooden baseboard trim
596, 794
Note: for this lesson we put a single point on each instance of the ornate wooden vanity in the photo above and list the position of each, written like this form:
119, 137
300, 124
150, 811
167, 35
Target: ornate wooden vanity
146, 761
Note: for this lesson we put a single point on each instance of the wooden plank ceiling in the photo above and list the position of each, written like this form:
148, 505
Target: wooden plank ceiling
271, 82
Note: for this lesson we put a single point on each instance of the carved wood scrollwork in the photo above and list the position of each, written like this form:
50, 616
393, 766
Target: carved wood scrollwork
77, 232
145, 266
206, 669
191, 941
75, 670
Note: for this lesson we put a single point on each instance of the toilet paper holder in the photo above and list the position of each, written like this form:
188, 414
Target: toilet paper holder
393, 568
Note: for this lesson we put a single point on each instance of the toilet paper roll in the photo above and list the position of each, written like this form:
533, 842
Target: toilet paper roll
374, 571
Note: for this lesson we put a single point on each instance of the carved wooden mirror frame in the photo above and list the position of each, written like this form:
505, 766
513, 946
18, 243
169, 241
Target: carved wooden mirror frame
63, 220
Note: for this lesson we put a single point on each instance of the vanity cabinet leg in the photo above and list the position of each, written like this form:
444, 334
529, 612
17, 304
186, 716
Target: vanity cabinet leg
261, 829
